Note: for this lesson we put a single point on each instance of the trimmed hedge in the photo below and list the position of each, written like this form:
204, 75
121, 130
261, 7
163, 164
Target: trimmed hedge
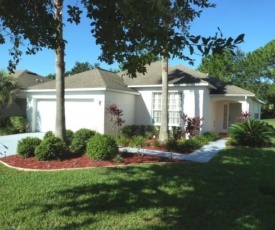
51, 148
102, 147
26, 146
80, 139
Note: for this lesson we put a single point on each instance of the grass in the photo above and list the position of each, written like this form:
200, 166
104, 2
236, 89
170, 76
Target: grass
236, 190
270, 121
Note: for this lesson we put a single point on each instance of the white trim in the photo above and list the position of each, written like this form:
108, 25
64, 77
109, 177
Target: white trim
80, 89
232, 95
172, 85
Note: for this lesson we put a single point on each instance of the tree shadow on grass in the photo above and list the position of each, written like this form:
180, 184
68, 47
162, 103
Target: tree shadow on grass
222, 194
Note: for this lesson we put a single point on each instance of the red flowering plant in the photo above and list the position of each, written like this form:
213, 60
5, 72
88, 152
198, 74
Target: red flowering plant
244, 116
116, 117
192, 125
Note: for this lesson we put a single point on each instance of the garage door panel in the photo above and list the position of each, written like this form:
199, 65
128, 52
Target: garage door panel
78, 114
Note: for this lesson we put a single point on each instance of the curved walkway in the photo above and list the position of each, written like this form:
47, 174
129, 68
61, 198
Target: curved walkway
202, 155
8, 145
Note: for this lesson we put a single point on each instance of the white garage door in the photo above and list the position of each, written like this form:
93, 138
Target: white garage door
79, 114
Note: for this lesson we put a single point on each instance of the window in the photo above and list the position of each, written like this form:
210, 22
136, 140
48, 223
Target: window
174, 108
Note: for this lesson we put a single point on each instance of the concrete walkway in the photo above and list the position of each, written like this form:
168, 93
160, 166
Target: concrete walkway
8, 145
202, 155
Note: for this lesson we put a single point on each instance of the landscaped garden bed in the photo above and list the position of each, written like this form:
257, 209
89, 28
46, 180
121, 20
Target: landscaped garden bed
82, 161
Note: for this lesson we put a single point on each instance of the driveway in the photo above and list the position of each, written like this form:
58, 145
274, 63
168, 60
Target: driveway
10, 142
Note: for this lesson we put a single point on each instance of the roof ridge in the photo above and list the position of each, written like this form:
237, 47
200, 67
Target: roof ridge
102, 77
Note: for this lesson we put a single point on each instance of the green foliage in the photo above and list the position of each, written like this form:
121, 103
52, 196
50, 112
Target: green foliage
26, 146
176, 132
137, 142
223, 66
80, 139
80, 67
191, 144
51, 148
153, 32
69, 137
211, 136
156, 143
138, 130
252, 133
122, 141
19, 123
7, 130
9, 89
49, 134
171, 145
102, 147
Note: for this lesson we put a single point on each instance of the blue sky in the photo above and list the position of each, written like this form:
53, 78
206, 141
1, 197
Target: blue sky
255, 18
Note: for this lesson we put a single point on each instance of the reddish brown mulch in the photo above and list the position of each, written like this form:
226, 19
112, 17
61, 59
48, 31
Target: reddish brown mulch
80, 162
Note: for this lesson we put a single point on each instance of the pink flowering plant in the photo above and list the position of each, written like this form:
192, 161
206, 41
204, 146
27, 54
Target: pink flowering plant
116, 117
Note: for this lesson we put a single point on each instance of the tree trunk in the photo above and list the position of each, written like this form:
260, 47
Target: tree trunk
60, 127
163, 133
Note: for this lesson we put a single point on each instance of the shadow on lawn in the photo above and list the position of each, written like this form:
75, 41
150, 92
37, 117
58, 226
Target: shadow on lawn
222, 194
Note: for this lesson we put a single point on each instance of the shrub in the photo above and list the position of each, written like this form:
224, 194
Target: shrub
80, 139
192, 125
116, 117
252, 133
19, 123
156, 143
102, 147
175, 132
26, 146
138, 130
69, 137
171, 145
201, 139
49, 134
191, 144
211, 136
51, 148
7, 131
123, 141
138, 142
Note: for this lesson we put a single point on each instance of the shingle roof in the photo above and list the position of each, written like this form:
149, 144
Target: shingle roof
26, 78
95, 78
181, 75
99, 78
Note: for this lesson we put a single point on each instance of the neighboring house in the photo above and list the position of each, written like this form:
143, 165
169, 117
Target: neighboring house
24, 79
191, 92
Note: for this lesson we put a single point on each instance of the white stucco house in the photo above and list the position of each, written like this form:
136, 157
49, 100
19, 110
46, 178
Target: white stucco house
191, 92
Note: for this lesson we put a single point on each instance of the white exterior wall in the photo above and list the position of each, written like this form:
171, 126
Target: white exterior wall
85, 109
144, 106
125, 102
248, 104
195, 102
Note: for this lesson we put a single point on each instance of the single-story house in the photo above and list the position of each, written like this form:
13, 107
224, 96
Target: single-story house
191, 92
24, 79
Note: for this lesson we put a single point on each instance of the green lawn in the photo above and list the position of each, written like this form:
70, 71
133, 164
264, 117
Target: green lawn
236, 190
270, 121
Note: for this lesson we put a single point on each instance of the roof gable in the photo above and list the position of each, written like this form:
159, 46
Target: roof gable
26, 78
95, 78
182, 75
